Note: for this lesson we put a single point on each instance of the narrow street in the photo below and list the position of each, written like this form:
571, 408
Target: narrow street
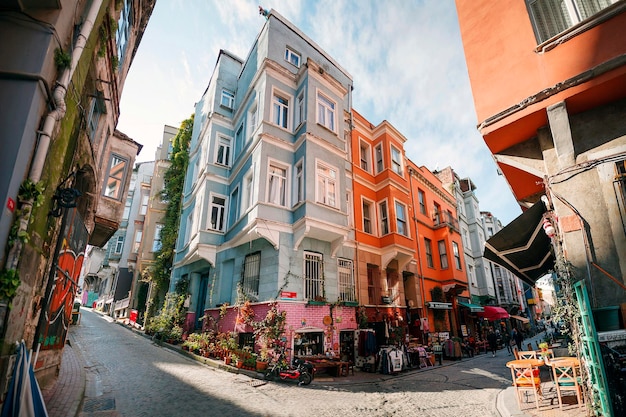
130, 375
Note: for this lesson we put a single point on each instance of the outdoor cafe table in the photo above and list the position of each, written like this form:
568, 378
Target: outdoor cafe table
524, 362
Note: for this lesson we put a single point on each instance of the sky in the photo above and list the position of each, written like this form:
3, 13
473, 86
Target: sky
405, 57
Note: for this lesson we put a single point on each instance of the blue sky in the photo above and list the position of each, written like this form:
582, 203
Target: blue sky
406, 59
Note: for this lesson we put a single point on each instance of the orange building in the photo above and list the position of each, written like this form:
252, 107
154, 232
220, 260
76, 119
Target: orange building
406, 234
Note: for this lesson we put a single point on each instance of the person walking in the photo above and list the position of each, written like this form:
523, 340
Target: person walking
507, 342
519, 338
492, 339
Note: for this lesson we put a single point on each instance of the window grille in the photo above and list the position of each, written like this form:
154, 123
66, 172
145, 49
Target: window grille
313, 276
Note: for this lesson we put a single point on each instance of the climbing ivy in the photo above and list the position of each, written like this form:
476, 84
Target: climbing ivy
173, 193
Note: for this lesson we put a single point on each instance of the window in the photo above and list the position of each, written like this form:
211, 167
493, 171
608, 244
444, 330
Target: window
299, 183
251, 274
325, 111
248, 189
551, 17
96, 109
277, 187
233, 214
115, 178
145, 198
280, 107
422, 199
384, 218
345, 276
252, 119
457, 255
466, 238
119, 245
222, 155
300, 109
396, 160
228, 99
380, 164
326, 185
436, 214
401, 226
188, 227
313, 276
367, 217
619, 185
238, 140
124, 25
129, 200
366, 155
443, 254
137, 241
292, 57
156, 242
428, 249
372, 277
218, 212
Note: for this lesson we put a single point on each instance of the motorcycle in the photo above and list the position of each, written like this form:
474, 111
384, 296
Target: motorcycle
300, 370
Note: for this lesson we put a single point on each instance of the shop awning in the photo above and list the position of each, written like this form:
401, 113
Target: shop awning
522, 246
492, 313
522, 319
474, 308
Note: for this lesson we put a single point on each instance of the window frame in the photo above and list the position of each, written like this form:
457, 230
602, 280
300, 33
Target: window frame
326, 111
404, 220
345, 280
458, 261
421, 196
227, 99
212, 205
253, 116
323, 184
247, 199
298, 192
138, 235
227, 143
156, 240
291, 53
365, 156
250, 283
428, 252
281, 112
379, 157
121, 180
234, 200
383, 216
442, 248
300, 108
119, 242
396, 165
372, 216
285, 181
313, 286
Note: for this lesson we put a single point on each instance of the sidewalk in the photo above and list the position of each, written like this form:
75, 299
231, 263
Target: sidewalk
68, 396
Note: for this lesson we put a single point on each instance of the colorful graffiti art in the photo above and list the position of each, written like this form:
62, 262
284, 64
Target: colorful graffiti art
63, 282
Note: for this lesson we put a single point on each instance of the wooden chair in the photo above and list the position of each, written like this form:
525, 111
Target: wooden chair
566, 378
527, 354
516, 353
424, 358
526, 378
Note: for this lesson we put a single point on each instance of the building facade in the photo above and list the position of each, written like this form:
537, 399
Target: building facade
65, 168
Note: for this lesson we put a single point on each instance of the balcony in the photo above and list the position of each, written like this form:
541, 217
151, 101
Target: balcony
443, 219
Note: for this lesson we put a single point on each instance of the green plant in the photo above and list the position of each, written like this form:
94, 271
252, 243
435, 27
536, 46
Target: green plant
31, 191
9, 283
62, 59
269, 330
115, 62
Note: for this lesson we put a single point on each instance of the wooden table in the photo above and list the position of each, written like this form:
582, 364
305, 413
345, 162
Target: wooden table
524, 362
566, 359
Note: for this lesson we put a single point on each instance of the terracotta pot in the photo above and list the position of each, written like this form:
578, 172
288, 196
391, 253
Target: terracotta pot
227, 360
261, 365
239, 364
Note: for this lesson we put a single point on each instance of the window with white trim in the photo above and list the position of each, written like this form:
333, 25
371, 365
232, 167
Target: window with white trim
325, 111
396, 160
96, 109
299, 182
124, 27
115, 177
365, 151
443, 254
277, 185
428, 250
280, 110
422, 199
156, 241
137, 241
188, 227
228, 99
217, 208
222, 153
119, 245
313, 276
233, 214
384, 218
252, 120
248, 189
292, 57
251, 274
380, 162
345, 278
401, 224
551, 17
327, 187
457, 255
145, 198
300, 109
367, 217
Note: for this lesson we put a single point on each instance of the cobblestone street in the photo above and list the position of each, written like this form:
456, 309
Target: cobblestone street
129, 375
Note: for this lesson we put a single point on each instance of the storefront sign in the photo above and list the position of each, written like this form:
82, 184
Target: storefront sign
439, 306
288, 294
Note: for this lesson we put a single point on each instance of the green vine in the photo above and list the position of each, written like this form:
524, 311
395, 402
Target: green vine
9, 283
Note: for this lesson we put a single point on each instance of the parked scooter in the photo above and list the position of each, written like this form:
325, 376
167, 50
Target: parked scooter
300, 370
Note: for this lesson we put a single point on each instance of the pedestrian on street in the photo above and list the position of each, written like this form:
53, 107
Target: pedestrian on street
507, 342
492, 339
519, 338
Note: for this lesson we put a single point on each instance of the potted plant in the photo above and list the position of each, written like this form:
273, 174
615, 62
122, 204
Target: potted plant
236, 359
262, 359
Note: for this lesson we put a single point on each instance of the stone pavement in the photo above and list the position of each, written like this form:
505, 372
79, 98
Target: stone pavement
73, 393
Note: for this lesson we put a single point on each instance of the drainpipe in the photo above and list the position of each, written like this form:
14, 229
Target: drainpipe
45, 135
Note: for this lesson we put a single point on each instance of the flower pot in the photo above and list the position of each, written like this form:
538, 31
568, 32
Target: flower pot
227, 360
239, 364
261, 365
